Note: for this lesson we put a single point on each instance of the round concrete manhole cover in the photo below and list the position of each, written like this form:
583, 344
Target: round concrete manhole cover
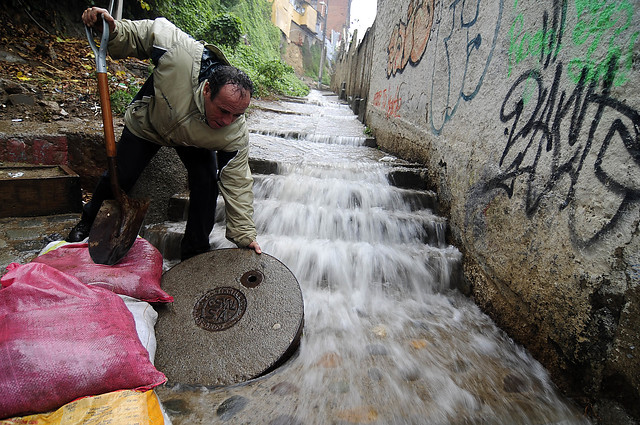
236, 315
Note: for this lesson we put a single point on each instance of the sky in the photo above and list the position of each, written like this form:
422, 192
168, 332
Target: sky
363, 12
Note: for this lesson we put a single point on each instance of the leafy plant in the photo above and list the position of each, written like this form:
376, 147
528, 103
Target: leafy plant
191, 16
274, 69
225, 29
270, 76
122, 96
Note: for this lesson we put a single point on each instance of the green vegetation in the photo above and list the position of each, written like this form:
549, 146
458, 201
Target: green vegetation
243, 30
122, 96
192, 16
311, 56
260, 57
225, 30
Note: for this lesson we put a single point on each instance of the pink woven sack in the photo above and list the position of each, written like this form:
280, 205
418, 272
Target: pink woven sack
61, 340
137, 275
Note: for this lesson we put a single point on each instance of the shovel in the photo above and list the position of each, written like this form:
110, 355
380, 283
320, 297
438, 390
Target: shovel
119, 220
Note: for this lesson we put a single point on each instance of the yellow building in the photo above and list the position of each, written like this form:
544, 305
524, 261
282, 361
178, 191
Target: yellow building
297, 19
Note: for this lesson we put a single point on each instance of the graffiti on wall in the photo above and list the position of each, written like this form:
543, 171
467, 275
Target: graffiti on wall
408, 40
566, 136
462, 51
388, 100
597, 33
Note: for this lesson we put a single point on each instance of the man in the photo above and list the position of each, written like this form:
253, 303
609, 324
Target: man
195, 102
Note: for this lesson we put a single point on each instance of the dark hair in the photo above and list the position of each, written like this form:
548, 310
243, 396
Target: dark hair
226, 74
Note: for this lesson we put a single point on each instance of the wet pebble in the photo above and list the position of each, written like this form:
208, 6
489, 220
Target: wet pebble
176, 407
231, 406
377, 350
411, 375
380, 331
375, 374
330, 360
419, 344
284, 388
514, 384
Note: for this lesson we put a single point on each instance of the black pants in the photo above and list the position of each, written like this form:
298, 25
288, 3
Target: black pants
134, 154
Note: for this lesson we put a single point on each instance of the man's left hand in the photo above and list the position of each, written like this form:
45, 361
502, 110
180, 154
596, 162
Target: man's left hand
256, 247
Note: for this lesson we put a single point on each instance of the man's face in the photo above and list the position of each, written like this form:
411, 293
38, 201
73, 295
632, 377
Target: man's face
228, 105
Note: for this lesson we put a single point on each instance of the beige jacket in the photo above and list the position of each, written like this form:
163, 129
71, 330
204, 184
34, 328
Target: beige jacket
174, 116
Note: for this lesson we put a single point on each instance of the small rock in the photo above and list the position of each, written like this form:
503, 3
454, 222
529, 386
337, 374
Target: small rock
12, 88
176, 407
231, 406
284, 388
50, 105
10, 57
380, 331
375, 374
21, 99
419, 344
330, 360
411, 374
514, 384
377, 350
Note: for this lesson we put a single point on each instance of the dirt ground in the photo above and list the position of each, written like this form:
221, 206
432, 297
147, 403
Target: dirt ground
44, 77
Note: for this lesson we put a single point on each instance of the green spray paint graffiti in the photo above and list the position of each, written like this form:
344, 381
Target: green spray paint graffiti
600, 26
603, 31
544, 43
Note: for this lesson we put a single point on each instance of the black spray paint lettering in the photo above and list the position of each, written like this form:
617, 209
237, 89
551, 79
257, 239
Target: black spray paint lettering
536, 150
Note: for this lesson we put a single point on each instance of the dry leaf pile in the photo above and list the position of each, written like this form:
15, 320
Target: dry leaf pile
44, 77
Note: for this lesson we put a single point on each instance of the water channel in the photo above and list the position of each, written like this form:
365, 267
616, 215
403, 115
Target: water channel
387, 338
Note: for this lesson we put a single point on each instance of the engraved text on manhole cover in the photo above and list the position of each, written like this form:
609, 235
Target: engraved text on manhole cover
219, 309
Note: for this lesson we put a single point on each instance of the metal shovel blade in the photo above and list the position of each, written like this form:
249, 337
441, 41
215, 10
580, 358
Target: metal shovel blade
115, 229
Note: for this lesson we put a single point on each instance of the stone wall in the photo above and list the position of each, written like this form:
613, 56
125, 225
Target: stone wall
527, 117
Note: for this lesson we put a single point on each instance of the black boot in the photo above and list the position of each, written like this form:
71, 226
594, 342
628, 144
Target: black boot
80, 231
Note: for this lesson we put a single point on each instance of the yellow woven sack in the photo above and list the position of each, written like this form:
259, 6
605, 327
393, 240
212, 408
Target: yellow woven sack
118, 407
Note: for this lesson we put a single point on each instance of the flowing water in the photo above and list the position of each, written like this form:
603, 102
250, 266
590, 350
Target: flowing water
387, 337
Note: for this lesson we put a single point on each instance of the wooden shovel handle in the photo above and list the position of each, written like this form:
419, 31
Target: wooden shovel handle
107, 117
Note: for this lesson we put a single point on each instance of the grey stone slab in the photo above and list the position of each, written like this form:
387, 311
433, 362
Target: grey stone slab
236, 316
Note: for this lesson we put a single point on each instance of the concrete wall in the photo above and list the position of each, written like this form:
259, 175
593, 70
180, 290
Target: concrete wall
351, 79
526, 114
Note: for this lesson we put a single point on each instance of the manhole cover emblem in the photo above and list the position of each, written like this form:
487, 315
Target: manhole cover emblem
219, 309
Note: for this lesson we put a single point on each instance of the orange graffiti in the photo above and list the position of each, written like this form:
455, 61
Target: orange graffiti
409, 40
391, 105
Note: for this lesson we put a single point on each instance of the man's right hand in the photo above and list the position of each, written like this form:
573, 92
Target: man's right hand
90, 17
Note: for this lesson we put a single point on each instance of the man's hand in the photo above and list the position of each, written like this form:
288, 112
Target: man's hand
90, 18
254, 245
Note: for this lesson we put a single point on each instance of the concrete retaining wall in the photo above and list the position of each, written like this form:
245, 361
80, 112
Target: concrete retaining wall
527, 117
